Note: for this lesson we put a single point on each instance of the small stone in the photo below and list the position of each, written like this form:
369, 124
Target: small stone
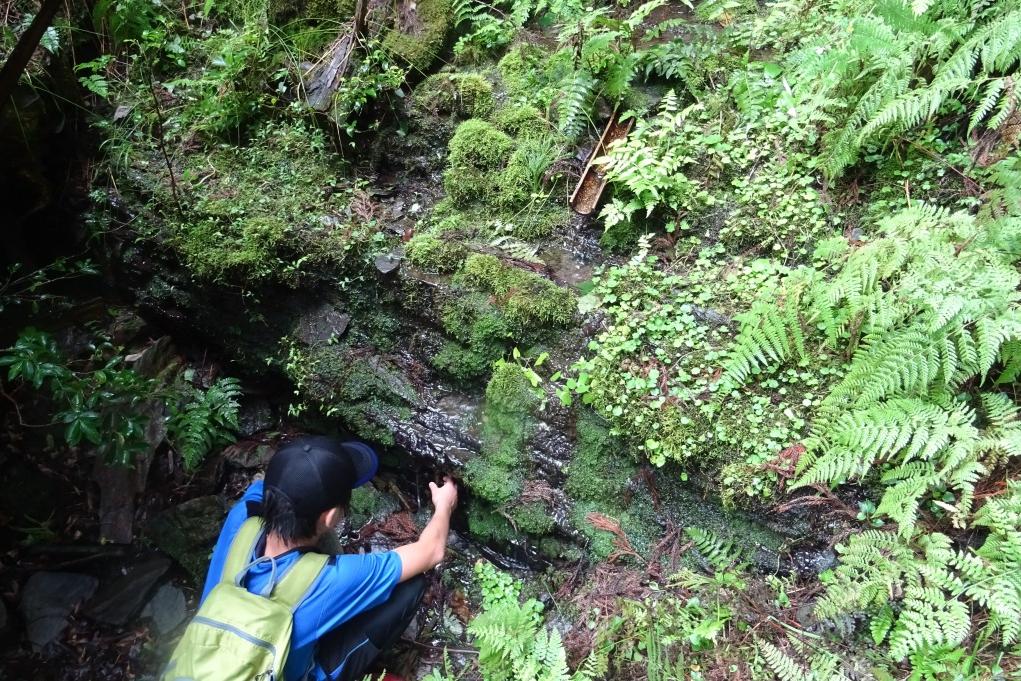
167, 608
48, 599
122, 597
387, 263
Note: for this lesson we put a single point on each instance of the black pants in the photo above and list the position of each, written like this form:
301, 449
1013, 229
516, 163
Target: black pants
347, 651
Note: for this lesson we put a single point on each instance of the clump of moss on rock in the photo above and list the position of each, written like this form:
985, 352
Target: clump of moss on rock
433, 253
522, 121
464, 95
478, 144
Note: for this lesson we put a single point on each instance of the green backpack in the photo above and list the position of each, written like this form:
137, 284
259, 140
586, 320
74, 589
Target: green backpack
237, 635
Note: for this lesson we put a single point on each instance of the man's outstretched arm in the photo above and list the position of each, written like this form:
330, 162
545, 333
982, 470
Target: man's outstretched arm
428, 551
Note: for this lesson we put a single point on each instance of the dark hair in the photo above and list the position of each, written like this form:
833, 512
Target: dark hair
281, 519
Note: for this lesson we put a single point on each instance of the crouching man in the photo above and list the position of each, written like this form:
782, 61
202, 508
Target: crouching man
343, 609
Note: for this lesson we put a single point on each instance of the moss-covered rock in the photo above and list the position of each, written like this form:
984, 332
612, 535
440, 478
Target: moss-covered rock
522, 120
478, 144
421, 32
510, 392
464, 95
433, 253
366, 391
600, 469
461, 363
494, 483
527, 300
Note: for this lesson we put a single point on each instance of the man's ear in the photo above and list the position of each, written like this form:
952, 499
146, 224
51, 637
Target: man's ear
331, 518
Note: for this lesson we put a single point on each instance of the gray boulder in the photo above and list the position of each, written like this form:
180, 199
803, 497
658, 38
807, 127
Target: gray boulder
48, 599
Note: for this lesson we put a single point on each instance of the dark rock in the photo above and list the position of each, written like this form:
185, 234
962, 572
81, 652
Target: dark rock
121, 598
255, 416
48, 598
188, 531
167, 608
249, 454
387, 263
322, 325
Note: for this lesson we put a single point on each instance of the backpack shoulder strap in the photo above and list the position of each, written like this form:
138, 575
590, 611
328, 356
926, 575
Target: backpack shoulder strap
240, 553
291, 590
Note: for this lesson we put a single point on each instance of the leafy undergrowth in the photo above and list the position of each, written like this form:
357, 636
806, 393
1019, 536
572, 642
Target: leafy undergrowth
816, 225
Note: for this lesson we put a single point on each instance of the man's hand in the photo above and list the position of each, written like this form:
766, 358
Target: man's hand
428, 551
445, 495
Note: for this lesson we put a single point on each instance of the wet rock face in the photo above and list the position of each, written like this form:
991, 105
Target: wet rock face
47, 601
187, 532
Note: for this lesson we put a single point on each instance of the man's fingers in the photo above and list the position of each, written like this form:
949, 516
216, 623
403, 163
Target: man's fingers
432, 486
447, 478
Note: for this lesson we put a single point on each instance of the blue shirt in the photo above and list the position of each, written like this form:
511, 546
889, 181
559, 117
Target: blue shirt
347, 586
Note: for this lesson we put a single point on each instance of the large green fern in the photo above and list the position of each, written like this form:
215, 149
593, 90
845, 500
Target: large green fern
206, 420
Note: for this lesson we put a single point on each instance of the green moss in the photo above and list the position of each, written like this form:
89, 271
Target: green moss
233, 230
461, 363
477, 143
328, 11
527, 300
601, 468
245, 249
537, 224
421, 48
638, 523
533, 518
467, 185
435, 254
522, 120
530, 74
494, 483
555, 549
488, 524
509, 390
475, 321
465, 95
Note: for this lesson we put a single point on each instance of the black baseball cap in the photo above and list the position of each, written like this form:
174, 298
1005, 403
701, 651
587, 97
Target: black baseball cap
317, 473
